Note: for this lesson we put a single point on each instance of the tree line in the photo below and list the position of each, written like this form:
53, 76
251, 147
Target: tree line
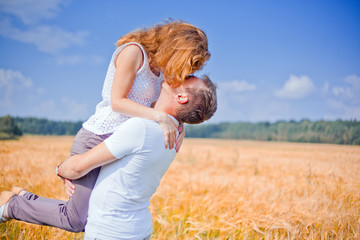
42, 126
338, 132
9, 129
12, 127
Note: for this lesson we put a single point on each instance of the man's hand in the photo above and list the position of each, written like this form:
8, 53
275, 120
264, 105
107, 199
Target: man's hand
69, 187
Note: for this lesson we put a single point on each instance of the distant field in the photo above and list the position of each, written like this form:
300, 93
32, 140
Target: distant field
217, 189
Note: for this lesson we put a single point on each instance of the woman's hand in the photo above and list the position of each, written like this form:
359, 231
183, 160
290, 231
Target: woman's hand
169, 128
180, 138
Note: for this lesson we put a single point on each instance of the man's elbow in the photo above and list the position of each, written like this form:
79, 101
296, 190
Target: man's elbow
71, 171
77, 172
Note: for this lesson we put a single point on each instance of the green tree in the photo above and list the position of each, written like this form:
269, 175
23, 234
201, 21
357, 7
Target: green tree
338, 132
8, 128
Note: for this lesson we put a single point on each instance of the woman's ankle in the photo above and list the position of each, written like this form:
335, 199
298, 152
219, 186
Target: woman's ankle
6, 211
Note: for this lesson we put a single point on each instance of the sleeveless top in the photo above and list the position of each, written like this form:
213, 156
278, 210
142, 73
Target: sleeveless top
145, 90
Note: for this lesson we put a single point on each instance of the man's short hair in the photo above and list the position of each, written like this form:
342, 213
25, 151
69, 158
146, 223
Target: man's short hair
202, 103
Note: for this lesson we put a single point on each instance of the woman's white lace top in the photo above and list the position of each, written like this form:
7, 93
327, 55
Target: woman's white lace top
145, 90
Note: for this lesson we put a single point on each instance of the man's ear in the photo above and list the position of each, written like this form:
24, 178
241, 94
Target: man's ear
182, 98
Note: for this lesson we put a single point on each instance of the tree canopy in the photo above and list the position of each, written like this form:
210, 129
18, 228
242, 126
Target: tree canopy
338, 132
9, 129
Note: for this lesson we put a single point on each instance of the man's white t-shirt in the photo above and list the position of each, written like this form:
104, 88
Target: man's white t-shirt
118, 207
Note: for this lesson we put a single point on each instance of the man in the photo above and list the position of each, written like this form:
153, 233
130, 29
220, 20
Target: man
119, 202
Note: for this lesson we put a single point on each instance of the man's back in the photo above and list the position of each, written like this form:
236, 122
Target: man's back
120, 199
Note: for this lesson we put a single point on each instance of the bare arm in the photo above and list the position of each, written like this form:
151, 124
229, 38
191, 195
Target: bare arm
79, 165
127, 64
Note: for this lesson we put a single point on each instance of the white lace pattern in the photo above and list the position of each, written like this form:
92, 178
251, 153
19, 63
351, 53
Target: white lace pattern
145, 90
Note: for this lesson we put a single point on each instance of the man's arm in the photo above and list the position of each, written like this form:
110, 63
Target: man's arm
79, 165
127, 139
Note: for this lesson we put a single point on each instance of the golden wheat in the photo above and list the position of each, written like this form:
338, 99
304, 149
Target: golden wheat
216, 189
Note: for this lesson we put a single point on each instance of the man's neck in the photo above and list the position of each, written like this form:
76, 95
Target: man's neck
166, 107
175, 120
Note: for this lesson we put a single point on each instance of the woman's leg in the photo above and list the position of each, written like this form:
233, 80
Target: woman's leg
70, 215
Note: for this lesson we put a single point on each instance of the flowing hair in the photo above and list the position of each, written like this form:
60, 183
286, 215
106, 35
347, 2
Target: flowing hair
176, 48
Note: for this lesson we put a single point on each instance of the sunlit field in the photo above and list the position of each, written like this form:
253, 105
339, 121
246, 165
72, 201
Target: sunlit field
216, 189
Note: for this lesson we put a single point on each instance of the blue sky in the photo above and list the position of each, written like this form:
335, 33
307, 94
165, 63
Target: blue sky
271, 60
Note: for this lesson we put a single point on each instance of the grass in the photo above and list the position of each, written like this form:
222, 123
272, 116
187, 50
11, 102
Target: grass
216, 189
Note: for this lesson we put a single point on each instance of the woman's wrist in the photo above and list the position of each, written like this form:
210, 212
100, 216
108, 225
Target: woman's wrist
161, 117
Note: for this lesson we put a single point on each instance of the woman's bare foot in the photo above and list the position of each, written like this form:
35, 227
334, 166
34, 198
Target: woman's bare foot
4, 199
18, 191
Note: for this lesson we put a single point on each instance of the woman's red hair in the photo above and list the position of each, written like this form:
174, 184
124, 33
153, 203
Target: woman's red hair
176, 48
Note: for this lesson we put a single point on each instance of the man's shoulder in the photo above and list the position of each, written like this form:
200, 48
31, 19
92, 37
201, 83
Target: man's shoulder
144, 121
141, 123
134, 132
132, 127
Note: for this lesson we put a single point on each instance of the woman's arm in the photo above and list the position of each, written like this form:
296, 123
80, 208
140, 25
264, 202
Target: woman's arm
79, 165
127, 63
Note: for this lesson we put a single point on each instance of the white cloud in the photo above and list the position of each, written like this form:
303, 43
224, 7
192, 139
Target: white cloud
326, 87
231, 97
74, 110
236, 86
9, 78
353, 80
32, 11
345, 98
69, 60
49, 39
20, 97
342, 91
10, 82
77, 59
349, 92
96, 60
65, 109
344, 110
254, 106
296, 88
40, 90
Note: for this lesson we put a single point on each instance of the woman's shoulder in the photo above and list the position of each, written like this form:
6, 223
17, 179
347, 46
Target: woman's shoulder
134, 46
132, 50
132, 53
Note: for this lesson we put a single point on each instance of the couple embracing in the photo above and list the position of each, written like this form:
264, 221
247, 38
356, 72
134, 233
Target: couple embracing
123, 150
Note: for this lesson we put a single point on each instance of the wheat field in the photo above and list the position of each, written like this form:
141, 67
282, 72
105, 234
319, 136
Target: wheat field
216, 189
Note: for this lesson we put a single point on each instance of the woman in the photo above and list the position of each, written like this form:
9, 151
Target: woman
143, 58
